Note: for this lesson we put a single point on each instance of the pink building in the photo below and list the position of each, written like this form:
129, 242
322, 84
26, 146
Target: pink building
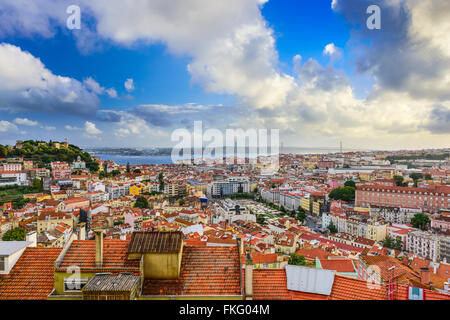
401, 231
441, 223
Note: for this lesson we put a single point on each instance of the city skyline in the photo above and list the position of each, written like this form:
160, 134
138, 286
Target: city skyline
130, 76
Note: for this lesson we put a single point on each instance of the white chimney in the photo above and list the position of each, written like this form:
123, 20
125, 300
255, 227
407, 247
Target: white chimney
447, 287
32, 237
248, 286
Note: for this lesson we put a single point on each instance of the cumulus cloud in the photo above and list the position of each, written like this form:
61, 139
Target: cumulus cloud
232, 51
129, 85
25, 122
26, 84
6, 126
332, 51
439, 120
408, 54
95, 87
90, 129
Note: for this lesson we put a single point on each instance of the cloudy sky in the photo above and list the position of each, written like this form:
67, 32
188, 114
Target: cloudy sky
137, 70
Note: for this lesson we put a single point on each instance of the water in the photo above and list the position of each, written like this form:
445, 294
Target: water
135, 160
167, 159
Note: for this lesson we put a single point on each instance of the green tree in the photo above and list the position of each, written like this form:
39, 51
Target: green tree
398, 181
392, 243
128, 167
428, 177
345, 193
141, 202
161, 181
137, 171
398, 245
332, 228
37, 184
388, 242
416, 176
16, 234
420, 221
260, 219
301, 215
350, 183
3, 151
297, 259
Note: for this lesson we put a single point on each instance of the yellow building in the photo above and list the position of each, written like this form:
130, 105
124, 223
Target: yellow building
59, 196
153, 265
365, 176
137, 190
38, 196
316, 207
305, 203
376, 231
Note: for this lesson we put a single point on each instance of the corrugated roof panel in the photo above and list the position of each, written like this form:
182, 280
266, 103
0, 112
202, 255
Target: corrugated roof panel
310, 280
155, 242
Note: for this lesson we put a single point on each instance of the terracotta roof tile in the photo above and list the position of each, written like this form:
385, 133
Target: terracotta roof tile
32, 275
271, 284
82, 253
205, 271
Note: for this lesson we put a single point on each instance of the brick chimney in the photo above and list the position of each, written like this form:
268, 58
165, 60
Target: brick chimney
98, 248
425, 275
248, 277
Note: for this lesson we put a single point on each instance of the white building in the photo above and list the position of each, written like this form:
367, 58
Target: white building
423, 244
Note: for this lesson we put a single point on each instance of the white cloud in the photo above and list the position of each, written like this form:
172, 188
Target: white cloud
48, 128
26, 84
6, 126
25, 122
233, 52
90, 129
95, 87
71, 128
112, 93
129, 85
334, 4
332, 51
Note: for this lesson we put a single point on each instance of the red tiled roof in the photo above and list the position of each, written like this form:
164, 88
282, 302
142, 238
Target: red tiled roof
312, 253
271, 284
82, 253
32, 275
339, 265
205, 271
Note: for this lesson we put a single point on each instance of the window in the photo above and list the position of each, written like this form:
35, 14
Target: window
74, 285
2, 263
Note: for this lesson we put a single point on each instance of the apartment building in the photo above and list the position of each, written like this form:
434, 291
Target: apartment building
395, 215
430, 199
61, 170
424, 244
230, 186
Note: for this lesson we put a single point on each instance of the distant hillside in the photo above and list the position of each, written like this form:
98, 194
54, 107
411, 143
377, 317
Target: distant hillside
42, 153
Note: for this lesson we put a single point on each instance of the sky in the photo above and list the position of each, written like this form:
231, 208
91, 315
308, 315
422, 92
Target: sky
138, 70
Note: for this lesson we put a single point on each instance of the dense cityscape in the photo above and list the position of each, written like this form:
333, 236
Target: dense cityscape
224, 159
371, 225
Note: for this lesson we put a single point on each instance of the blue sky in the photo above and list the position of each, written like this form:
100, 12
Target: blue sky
236, 64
